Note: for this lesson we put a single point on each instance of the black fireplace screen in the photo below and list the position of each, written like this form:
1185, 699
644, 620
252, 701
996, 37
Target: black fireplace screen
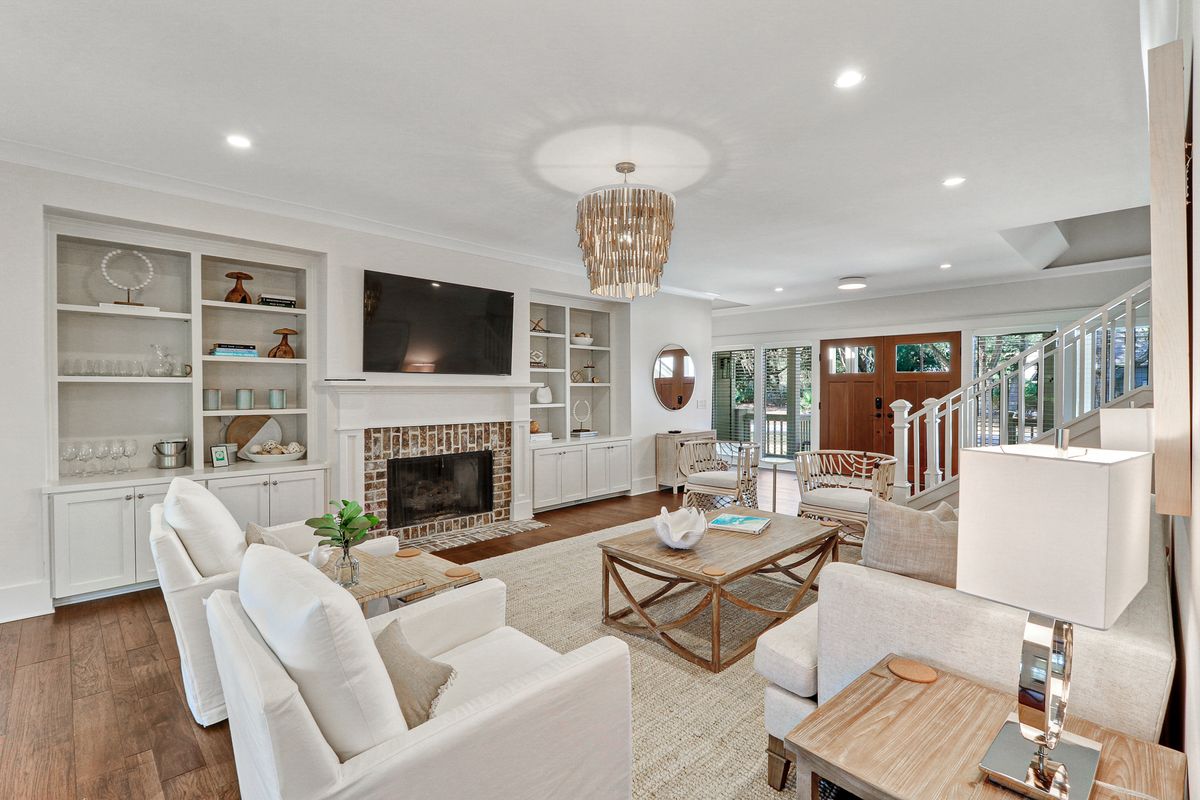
438, 487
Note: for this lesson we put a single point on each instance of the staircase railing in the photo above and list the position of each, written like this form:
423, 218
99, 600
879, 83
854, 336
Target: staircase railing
1084, 366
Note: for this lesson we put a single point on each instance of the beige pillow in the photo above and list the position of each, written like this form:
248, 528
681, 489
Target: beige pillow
257, 534
918, 544
419, 682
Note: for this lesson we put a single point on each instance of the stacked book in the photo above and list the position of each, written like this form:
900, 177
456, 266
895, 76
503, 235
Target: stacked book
235, 350
541, 437
585, 434
277, 300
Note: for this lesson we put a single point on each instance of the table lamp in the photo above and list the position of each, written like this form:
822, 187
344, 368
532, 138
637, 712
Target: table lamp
1062, 533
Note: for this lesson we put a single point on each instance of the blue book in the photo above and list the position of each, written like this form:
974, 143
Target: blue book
739, 523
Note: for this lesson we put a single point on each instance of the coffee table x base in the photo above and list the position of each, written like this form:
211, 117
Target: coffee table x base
819, 549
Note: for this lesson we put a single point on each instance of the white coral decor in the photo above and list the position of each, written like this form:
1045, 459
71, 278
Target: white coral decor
682, 529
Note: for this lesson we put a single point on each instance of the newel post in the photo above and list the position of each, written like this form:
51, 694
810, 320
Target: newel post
900, 425
933, 452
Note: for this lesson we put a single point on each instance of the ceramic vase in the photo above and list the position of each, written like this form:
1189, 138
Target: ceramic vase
544, 395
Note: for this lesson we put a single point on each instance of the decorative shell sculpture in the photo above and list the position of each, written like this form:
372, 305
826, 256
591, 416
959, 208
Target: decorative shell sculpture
274, 448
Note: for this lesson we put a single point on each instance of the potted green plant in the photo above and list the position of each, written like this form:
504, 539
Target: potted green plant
344, 529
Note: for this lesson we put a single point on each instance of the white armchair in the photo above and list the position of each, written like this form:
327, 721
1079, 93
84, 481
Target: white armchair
185, 590
519, 721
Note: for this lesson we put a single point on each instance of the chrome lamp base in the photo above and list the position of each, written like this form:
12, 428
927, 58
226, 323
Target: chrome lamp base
1068, 771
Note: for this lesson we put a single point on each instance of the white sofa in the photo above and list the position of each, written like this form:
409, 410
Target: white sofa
1121, 677
519, 720
185, 589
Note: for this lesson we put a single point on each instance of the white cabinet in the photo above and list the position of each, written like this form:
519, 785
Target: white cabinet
272, 499
569, 474
93, 541
144, 499
609, 468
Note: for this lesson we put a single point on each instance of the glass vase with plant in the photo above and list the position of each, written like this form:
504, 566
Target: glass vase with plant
344, 529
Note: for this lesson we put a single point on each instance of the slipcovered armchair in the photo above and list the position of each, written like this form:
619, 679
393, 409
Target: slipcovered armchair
519, 721
188, 577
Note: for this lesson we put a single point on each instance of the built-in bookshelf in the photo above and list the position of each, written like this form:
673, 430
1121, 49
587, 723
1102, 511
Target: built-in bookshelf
576, 371
110, 384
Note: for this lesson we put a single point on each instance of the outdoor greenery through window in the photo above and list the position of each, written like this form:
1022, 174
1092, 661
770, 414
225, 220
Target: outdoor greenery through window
786, 386
733, 395
924, 357
852, 359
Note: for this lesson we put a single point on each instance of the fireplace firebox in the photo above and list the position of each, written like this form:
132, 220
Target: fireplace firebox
424, 488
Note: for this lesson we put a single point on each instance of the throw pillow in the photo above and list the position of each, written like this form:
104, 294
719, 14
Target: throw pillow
213, 539
257, 534
906, 541
419, 682
318, 633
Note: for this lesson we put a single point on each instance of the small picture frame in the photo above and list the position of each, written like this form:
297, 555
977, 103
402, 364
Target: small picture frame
219, 454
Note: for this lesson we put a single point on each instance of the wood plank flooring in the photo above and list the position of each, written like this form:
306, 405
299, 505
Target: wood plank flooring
91, 697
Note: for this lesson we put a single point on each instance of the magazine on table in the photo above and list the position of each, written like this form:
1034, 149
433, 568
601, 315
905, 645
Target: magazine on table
740, 523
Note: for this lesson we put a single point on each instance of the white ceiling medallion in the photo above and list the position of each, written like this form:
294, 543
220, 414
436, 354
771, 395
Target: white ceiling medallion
625, 233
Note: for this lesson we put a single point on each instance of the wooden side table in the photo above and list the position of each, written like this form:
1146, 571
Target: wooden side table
884, 738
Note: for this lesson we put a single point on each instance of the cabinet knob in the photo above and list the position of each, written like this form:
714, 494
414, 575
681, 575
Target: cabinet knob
274, 483
141, 496
265, 483
128, 497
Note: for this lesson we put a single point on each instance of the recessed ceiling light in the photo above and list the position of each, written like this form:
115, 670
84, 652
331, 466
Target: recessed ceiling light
954, 180
852, 282
238, 141
849, 79
779, 288
945, 266
435, 285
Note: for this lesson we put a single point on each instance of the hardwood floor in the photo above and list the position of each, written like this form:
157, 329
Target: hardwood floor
91, 697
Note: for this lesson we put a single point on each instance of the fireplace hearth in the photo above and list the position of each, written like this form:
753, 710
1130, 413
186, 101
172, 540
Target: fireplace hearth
425, 488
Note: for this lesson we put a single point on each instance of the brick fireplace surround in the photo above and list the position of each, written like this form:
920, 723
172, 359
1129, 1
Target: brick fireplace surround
380, 444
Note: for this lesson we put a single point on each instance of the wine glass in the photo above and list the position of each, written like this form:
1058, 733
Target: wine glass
130, 448
68, 452
101, 456
115, 452
86, 454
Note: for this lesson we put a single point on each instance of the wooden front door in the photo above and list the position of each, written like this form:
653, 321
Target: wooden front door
861, 377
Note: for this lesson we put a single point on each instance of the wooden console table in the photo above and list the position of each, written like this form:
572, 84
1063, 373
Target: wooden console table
884, 738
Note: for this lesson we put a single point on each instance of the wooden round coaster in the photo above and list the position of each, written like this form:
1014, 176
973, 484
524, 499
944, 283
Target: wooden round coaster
459, 572
408, 552
908, 670
829, 523
715, 572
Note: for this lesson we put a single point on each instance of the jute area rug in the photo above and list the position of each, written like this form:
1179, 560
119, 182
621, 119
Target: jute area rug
696, 735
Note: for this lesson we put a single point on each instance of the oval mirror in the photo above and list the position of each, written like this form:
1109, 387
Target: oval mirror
674, 377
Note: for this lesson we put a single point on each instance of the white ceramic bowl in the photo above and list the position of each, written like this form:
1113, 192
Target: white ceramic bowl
582, 339
269, 459
689, 540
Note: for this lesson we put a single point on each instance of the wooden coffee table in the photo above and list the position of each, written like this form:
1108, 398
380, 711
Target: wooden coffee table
409, 579
787, 543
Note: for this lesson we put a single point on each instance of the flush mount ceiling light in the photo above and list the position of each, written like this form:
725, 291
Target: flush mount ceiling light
625, 233
852, 282
238, 141
849, 79
954, 180
945, 266
779, 288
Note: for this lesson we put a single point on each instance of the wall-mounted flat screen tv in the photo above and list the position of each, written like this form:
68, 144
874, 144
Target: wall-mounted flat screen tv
419, 325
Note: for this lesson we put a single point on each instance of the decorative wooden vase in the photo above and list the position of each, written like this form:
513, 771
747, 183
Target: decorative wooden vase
283, 349
238, 293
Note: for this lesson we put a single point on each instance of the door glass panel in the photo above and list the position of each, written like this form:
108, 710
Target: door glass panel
787, 400
733, 395
923, 357
852, 359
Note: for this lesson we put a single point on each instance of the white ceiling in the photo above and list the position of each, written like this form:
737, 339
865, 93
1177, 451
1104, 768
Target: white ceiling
450, 117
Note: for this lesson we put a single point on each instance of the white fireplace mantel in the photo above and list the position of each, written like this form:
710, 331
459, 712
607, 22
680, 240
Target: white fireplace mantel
359, 405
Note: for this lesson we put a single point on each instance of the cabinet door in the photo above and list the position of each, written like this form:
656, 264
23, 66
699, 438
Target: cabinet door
93, 541
572, 474
597, 470
296, 496
546, 489
248, 497
146, 497
620, 470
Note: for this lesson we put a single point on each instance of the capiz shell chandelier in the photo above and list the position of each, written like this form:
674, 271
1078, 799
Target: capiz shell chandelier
624, 233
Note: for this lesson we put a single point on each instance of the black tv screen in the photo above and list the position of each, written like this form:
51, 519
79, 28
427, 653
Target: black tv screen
419, 325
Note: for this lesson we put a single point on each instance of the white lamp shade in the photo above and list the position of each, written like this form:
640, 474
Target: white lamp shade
1065, 536
1127, 429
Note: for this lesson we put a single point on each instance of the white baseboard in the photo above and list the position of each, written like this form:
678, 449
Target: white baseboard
25, 600
645, 485
522, 510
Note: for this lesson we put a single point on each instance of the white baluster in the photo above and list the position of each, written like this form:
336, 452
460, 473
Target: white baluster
933, 471
900, 424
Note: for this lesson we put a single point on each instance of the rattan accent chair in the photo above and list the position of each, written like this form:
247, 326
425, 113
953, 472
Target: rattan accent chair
719, 474
838, 485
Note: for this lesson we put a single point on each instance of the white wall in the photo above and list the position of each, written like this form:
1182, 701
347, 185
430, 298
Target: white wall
25, 194
662, 320
1013, 305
